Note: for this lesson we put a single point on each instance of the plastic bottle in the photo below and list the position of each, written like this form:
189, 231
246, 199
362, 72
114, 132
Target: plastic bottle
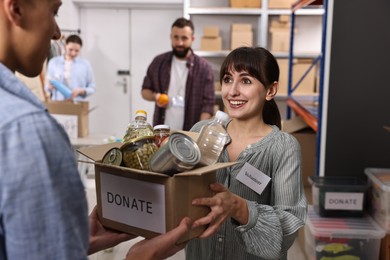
212, 139
139, 127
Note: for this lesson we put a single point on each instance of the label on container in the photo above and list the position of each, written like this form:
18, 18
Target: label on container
132, 202
253, 178
344, 200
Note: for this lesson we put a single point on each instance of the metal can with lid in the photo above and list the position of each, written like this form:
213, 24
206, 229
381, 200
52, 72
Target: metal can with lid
113, 157
179, 154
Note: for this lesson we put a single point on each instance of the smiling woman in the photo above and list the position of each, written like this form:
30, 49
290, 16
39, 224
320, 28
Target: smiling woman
246, 222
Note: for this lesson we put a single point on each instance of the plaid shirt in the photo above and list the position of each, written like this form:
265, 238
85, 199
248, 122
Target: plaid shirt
199, 94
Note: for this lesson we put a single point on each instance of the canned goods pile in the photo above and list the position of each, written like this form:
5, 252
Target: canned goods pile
163, 152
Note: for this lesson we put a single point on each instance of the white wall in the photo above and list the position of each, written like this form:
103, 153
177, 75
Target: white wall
68, 16
149, 36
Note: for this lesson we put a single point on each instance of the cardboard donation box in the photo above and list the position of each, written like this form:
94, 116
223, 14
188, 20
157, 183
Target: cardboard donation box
72, 116
148, 203
211, 41
245, 3
241, 35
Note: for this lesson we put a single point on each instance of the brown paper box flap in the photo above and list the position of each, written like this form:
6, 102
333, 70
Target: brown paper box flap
65, 107
206, 169
96, 153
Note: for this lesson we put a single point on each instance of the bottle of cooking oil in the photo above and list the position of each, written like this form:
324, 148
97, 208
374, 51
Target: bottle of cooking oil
139, 127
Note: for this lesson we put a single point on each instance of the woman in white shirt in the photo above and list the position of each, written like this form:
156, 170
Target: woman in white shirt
70, 76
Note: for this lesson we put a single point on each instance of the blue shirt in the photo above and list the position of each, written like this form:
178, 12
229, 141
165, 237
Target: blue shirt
43, 207
274, 216
81, 75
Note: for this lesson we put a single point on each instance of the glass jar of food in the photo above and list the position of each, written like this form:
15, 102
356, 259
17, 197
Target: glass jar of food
161, 132
136, 153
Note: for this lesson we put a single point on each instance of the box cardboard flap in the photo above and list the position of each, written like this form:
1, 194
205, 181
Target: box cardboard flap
96, 153
66, 107
293, 125
206, 169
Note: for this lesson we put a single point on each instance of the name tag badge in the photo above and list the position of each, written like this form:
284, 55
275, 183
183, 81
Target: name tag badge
253, 178
177, 101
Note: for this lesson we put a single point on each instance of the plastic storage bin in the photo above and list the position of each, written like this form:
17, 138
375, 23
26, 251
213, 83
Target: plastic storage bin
379, 195
342, 238
336, 196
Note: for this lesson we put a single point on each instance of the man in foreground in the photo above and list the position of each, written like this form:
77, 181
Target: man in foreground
43, 207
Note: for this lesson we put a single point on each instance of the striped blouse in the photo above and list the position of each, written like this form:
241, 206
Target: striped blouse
274, 216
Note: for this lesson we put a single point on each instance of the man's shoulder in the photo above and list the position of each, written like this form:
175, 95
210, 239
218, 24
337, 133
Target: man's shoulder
13, 107
201, 60
163, 56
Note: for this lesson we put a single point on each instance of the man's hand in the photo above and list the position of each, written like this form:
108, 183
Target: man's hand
101, 238
162, 246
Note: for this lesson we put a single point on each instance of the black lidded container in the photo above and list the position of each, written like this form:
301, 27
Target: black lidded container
339, 196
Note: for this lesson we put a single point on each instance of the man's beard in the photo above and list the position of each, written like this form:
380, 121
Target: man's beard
180, 54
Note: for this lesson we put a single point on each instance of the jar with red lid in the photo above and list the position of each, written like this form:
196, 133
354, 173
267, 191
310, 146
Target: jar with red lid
161, 132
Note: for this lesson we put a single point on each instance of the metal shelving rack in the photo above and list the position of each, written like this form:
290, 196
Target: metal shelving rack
263, 15
308, 107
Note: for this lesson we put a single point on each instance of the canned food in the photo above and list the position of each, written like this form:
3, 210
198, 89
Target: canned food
113, 157
179, 154
136, 154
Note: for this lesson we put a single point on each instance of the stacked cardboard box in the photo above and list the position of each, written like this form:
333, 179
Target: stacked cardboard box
245, 3
280, 34
72, 116
300, 66
241, 35
280, 4
307, 140
211, 41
